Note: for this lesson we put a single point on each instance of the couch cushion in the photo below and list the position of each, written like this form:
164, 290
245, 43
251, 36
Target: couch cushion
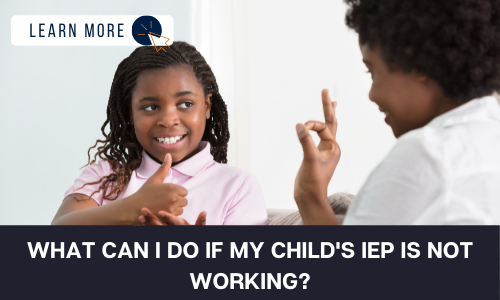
339, 202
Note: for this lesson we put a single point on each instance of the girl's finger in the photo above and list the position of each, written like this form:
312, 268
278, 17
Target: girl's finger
143, 220
181, 191
178, 211
150, 217
167, 217
171, 219
181, 201
160, 174
202, 219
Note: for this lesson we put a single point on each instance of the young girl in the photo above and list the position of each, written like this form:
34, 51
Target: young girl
434, 66
163, 160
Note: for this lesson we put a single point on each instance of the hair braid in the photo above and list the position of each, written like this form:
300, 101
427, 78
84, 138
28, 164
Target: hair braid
120, 147
216, 129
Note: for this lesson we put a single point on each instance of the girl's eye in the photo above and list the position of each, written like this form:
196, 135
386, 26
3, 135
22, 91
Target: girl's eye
150, 107
186, 105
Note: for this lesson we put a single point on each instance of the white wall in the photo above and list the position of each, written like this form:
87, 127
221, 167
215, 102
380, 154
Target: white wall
303, 47
284, 53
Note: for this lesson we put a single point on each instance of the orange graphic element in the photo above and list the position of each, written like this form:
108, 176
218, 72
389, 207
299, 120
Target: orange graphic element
157, 35
159, 48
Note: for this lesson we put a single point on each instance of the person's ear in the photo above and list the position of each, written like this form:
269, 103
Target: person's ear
423, 79
420, 78
208, 105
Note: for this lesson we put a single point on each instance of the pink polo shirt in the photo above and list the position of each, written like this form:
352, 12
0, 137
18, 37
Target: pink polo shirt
230, 196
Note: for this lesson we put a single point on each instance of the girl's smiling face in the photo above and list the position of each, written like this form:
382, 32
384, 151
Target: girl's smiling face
169, 110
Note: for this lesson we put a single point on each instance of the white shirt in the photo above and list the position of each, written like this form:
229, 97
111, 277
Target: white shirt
447, 172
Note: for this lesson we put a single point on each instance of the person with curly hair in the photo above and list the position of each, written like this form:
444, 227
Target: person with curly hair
168, 135
434, 66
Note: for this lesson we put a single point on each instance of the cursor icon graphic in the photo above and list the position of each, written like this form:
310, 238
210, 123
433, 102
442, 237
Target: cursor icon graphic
159, 41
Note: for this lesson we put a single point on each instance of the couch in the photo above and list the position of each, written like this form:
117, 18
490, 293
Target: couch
339, 203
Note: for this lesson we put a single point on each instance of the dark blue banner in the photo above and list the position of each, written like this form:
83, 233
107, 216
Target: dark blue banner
136, 262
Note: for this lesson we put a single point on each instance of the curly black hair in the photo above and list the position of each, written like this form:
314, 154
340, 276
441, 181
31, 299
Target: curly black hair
456, 43
120, 148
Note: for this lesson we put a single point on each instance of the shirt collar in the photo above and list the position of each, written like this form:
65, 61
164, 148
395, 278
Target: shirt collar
476, 109
191, 167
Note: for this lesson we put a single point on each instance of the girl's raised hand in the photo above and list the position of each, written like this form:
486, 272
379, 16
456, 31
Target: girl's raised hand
159, 196
165, 218
318, 166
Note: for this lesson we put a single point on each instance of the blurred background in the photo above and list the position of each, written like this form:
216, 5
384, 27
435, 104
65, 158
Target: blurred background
271, 60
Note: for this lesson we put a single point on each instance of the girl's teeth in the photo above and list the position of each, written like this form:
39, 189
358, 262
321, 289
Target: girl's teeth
169, 141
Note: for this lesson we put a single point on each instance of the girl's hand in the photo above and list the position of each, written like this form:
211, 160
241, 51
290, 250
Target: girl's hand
165, 218
317, 167
159, 196
154, 194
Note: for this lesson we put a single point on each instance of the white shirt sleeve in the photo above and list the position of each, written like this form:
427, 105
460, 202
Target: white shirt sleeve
445, 173
404, 188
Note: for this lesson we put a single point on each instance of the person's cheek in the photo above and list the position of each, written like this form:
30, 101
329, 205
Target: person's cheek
371, 93
142, 130
202, 121
376, 94
196, 120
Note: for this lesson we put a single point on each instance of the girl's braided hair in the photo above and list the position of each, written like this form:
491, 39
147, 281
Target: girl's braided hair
120, 148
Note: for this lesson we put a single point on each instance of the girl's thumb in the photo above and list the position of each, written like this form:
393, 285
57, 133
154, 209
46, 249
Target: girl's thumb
202, 219
162, 172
